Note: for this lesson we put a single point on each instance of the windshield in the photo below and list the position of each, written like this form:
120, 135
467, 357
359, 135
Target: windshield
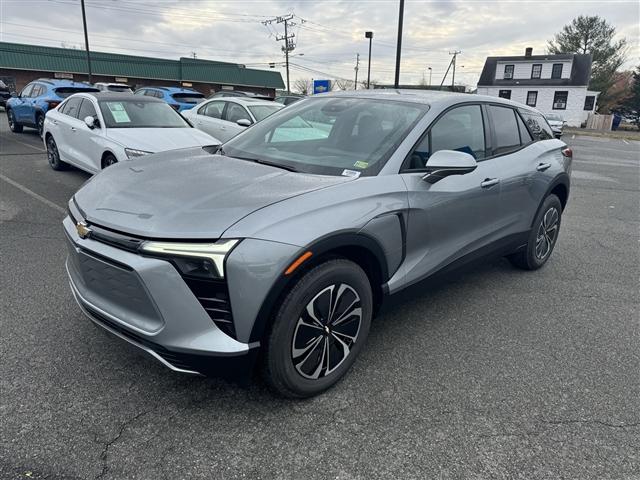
263, 111
329, 136
140, 114
194, 97
553, 117
64, 92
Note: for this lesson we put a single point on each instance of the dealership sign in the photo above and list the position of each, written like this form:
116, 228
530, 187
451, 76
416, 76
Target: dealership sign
321, 86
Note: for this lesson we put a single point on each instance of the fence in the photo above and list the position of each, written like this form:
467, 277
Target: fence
599, 122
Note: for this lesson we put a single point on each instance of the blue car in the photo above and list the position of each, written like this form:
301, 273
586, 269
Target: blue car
29, 107
180, 99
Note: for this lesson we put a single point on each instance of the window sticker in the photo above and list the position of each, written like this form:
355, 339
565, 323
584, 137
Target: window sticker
360, 164
350, 173
118, 112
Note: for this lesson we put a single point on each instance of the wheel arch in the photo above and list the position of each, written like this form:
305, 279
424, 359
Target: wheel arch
360, 248
560, 186
104, 155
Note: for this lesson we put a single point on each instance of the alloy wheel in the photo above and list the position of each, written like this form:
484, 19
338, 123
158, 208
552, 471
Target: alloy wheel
52, 151
547, 233
11, 120
326, 331
40, 125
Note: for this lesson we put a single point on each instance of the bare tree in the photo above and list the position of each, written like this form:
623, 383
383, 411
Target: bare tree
342, 84
303, 86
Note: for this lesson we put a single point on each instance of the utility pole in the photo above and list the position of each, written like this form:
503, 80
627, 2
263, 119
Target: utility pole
430, 72
289, 44
369, 35
400, 17
453, 61
86, 40
355, 87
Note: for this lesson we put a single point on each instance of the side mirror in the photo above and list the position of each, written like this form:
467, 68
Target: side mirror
90, 122
448, 162
244, 122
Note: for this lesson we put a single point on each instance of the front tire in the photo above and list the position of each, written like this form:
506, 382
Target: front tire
543, 236
13, 125
53, 155
319, 329
108, 160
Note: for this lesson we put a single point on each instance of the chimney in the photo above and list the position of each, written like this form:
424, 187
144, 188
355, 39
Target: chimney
528, 51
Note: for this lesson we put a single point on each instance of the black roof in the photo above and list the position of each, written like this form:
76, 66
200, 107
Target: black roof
580, 71
123, 97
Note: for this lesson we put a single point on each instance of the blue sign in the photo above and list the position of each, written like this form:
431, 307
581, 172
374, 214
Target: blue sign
321, 86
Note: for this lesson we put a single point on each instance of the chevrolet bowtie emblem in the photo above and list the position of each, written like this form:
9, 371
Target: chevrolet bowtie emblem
82, 229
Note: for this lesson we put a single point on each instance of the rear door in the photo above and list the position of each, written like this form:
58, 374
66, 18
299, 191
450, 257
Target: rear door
67, 128
88, 151
231, 115
460, 213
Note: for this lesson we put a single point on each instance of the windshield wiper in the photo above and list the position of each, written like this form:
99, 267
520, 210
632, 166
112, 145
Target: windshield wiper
271, 164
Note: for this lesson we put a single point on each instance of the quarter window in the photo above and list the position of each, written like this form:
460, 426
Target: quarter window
589, 102
37, 91
505, 94
508, 72
506, 129
560, 100
532, 98
556, 70
536, 70
525, 135
538, 126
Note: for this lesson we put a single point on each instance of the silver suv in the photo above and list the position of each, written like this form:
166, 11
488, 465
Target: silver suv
278, 247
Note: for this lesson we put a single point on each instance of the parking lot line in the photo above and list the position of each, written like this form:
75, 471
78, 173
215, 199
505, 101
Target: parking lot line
12, 139
33, 194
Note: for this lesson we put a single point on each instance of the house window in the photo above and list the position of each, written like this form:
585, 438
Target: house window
532, 98
556, 70
536, 70
560, 100
508, 72
589, 102
505, 94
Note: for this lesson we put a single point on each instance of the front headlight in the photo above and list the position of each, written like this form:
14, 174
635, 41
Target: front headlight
133, 153
204, 260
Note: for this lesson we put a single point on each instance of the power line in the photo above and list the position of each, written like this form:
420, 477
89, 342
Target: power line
287, 38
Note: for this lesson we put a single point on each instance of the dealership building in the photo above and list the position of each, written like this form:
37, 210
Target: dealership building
22, 63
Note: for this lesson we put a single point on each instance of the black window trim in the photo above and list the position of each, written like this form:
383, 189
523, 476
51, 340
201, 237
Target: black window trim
553, 104
532, 68
561, 65
526, 100
493, 132
487, 137
504, 73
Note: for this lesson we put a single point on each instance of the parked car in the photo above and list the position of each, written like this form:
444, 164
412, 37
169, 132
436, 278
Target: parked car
29, 107
92, 131
280, 247
288, 99
180, 99
556, 122
5, 94
239, 93
113, 87
224, 118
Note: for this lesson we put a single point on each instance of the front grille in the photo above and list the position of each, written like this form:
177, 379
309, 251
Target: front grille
213, 295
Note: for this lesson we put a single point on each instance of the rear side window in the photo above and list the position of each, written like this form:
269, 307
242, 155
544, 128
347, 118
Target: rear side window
525, 135
506, 129
37, 90
71, 107
86, 109
537, 124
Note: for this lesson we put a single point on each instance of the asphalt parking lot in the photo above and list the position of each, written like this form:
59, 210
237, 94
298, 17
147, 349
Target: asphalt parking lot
493, 373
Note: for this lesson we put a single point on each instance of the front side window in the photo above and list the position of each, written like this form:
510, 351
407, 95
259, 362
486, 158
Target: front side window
140, 114
589, 102
537, 124
506, 129
330, 136
536, 70
556, 70
87, 109
532, 98
26, 91
72, 107
508, 72
560, 100
505, 94
37, 91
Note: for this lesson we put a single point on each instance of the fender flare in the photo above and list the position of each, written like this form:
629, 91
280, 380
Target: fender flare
561, 179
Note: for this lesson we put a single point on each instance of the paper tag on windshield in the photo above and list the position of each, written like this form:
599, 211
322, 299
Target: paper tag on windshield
118, 112
350, 173
361, 164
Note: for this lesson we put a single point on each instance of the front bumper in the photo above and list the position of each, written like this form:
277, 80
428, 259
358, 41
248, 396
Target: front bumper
145, 302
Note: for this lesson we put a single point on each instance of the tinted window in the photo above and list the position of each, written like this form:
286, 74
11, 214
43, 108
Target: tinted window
525, 135
589, 102
37, 90
236, 112
189, 97
505, 94
65, 92
72, 106
537, 124
505, 128
140, 114
118, 88
26, 91
86, 109
556, 70
213, 109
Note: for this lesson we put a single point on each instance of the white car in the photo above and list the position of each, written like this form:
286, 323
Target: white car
556, 122
226, 117
94, 130
113, 87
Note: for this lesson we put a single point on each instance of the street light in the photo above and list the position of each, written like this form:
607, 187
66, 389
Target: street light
430, 72
369, 35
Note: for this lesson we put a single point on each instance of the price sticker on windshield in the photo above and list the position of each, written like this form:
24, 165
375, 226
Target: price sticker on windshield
118, 112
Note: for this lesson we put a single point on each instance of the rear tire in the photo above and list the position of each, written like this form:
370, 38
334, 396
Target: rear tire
40, 124
13, 125
542, 238
108, 160
319, 329
53, 155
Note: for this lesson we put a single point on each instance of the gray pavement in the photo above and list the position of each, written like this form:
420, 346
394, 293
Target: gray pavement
493, 373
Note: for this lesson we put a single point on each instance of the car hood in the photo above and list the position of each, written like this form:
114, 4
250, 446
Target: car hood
187, 194
160, 139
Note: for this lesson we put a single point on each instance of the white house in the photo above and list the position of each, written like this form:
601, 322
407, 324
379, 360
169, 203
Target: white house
551, 83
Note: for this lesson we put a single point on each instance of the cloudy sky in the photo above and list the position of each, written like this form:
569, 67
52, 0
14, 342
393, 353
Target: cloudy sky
328, 34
